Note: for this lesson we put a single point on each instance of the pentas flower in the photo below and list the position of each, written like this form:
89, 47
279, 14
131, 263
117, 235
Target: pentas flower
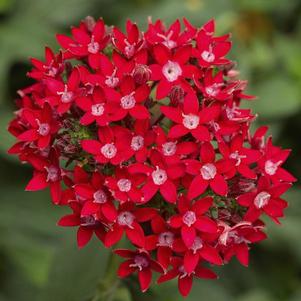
265, 199
185, 279
207, 172
144, 137
42, 124
191, 219
140, 262
191, 118
172, 69
112, 147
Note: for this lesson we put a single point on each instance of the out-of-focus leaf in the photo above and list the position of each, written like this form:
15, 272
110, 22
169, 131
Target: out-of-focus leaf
256, 295
75, 273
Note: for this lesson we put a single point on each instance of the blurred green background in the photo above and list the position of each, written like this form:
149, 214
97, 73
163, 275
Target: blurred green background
38, 260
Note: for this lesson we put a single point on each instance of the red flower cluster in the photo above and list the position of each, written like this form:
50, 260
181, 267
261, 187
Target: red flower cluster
142, 135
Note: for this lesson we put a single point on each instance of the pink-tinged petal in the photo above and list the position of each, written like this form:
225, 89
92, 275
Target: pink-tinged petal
175, 221
136, 235
109, 211
83, 236
149, 190
87, 119
246, 199
177, 131
171, 113
202, 206
242, 254
207, 153
209, 113
191, 260
211, 255
183, 54
145, 278
55, 192
91, 146
204, 273
219, 185
38, 182
201, 133
142, 93
246, 171
140, 112
29, 135
113, 236
197, 187
169, 191
205, 224
125, 253
145, 214
185, 284
163, 89
125, 269
161, 54
279, 189
188, 235
70, 220
164, 254
191, 104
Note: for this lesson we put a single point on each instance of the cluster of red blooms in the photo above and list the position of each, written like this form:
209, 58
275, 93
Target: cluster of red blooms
142, 135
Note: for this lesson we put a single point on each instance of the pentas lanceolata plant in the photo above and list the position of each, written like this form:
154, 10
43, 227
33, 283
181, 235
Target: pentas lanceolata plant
142, 136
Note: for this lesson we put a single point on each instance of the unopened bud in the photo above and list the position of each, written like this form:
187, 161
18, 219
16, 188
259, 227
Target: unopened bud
141, 74
176, 96
90, 23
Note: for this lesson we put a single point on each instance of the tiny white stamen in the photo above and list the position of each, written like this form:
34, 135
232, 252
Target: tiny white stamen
191, 121
93, 47
165, 239
171, 71
124, 185
169, 148
97, 109
126, 218
189, 218
66, 96
159, 176
236, 156
271, 168
208, 171
197, 244
208, 56
44, 129
140, 262
52, 173
100, 197
109, 150
128, 101
137, 142
262, 199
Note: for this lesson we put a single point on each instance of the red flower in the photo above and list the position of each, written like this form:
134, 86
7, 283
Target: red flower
85, 43
265, 199
141, 262
172, 69
113, 146
191, 219
185, 278
128, 221
191, 119
207, 173
63, 95
129, 100
42, 126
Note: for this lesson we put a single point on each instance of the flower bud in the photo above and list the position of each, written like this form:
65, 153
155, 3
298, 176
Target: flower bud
176, 95
141, 74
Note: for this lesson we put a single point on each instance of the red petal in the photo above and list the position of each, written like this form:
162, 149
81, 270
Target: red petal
188, 235
169, 191
207, 153
190, 261
219, 185
145, 278
83, 236
139, 112
185, 285
91, 146
242, 254
70, 220
211, 255
197, 187
38, 182
113, 236
205, 224
125, 270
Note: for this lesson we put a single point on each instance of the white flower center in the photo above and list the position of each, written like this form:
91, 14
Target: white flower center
169, 148
197, 244
189, 218
93, 47
271, 167
97, 109
191, 121
109, 150
236, 156
112, 81
129, 50
66, 96
137, 142
52, 173
165, 239
128, 101
208, 171
171, 71
159, 176
140, 262
44, 129
125, 218
208, 56
213, 90
100, 196
124, 185
262, 199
